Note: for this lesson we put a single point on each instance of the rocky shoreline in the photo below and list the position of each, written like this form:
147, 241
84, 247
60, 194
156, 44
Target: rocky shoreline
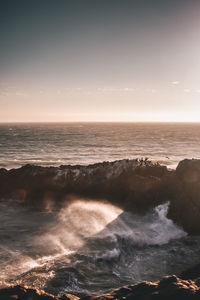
169, 287
133, 185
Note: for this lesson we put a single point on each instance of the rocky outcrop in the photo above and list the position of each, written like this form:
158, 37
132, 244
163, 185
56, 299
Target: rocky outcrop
127, 183
169, 288
25, 293
191, 273
134, 185
185, 201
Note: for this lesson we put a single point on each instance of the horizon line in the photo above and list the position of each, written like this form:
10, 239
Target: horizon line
61, 122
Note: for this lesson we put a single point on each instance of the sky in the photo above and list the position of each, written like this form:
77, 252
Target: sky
99, 60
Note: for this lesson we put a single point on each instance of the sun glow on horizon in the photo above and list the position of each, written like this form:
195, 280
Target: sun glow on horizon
131, 62
173, 117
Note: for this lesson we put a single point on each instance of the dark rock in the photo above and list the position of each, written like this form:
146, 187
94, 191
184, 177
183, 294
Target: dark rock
24, 293
169, 288
185, 202
191, 273
188, 170
133, 185
123, 183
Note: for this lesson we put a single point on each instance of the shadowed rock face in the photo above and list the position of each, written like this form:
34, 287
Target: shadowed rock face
191, 273
134, 185
185, 202
24, 293
125, 183
170, 287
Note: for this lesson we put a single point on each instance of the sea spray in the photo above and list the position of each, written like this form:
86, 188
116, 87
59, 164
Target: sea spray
60, 236
90, 247
78, 220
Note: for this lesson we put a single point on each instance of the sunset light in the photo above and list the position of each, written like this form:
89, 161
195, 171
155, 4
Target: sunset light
100, 61
99, 149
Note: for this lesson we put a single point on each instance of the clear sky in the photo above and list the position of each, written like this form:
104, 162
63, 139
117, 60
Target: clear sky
99, 60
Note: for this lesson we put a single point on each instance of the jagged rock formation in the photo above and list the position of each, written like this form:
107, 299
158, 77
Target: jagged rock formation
25, 293
134, 185
185, 201
169, 288
124, 183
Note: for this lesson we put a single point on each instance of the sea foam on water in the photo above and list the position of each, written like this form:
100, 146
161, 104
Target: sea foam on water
62, 250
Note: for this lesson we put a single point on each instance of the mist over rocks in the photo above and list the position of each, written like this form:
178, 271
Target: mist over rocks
133, 185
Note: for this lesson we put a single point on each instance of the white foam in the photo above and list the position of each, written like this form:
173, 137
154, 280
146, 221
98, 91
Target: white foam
152, 229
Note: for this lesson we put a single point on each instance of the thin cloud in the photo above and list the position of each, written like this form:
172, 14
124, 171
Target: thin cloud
176, 82
115, 89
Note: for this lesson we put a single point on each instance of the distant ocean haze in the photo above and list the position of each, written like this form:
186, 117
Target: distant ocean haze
54, 144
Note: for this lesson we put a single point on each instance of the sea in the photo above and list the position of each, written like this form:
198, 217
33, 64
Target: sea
92, 247
54, 144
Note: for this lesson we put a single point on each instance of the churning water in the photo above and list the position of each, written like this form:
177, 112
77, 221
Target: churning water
90, 247
85, 143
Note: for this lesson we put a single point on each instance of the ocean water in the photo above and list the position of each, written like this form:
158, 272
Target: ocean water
85, 143
91, 247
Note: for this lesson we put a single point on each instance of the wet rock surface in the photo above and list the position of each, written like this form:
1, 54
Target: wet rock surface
24, 293
119, 182
169, 287
185, 200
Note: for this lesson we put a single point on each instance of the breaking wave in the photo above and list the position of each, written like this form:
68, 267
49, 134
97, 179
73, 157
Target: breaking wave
90, 247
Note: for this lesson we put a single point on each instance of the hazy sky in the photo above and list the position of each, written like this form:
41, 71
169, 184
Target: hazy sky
99, 60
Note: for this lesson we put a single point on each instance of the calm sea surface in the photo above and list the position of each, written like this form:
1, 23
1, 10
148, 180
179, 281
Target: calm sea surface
84, 143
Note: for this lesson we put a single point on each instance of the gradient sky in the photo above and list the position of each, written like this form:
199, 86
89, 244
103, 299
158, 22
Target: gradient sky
99, 60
